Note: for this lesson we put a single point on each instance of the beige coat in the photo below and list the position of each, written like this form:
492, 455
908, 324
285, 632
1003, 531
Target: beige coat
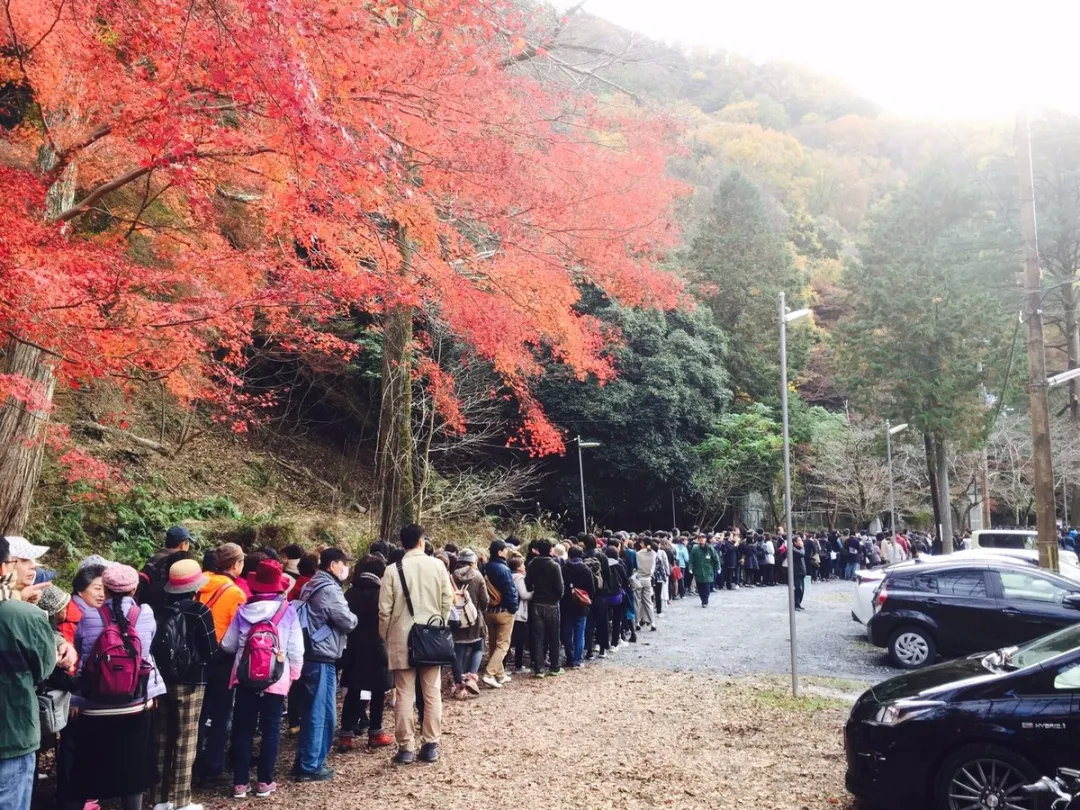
432, 595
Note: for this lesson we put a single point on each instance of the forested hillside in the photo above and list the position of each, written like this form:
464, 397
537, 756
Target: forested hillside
530, 230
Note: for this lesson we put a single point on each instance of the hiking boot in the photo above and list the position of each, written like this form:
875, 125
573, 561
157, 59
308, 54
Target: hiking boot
380, 739
324, 774
403, 757
346, 743
429, 752
240, 791
263, 790
490, 681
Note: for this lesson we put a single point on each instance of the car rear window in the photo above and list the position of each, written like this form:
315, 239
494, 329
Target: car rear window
960, 583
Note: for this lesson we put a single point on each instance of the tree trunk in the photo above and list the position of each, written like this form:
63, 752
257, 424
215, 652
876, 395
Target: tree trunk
931, 472
944, 502
22, 433
397, 506
1072, 344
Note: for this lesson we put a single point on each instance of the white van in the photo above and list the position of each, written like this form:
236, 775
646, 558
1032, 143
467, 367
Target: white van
1005, 538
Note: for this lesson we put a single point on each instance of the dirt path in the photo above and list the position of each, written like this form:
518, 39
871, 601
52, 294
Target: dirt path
602, 737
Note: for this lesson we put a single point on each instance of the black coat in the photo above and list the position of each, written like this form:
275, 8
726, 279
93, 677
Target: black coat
576, 575
364, 664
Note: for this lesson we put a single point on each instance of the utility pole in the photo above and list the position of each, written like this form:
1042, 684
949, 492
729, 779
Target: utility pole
1045, 497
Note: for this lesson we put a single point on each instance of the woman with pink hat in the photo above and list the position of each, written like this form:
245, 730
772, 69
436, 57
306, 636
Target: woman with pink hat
266, 625
113, 743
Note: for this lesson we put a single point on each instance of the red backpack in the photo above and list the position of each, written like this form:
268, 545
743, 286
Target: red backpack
115, 671
262, 661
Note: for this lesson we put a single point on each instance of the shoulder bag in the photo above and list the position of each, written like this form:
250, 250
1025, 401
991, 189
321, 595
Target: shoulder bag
430, 644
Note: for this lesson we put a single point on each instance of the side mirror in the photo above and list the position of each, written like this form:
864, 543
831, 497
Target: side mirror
1072, 600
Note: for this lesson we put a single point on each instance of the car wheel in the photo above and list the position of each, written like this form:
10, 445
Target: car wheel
912, 647
980, 776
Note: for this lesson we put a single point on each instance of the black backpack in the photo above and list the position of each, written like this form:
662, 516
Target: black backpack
173, 646
596, 569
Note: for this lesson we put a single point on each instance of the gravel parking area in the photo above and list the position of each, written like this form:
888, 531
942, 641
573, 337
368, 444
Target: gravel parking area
745, 631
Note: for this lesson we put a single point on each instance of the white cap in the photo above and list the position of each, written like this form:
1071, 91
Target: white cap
22, 549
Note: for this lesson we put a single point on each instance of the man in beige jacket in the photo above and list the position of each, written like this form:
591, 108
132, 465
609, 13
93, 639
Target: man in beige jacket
432, 595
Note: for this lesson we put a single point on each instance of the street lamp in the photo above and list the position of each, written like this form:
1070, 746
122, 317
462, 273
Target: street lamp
889, 433
581, 474
786, 318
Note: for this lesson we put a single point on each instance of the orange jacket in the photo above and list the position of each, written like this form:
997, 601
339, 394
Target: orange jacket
224, 597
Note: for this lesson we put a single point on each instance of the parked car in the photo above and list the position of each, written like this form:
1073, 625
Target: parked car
964, 605
867, 580
968, 734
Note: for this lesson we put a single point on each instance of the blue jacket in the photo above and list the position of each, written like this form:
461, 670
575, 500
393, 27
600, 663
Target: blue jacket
500, 576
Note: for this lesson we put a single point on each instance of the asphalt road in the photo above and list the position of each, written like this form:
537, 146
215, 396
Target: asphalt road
745, 632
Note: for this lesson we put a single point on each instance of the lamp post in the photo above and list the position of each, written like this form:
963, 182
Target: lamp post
581, 474
786, 318
889, 433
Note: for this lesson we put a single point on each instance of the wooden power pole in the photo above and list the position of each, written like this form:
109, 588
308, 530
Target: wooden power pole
1036, 351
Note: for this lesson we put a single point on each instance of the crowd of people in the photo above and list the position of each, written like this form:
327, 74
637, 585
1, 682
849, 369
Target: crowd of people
152, 681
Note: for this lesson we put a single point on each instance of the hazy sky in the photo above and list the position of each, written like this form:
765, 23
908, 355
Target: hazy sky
935, 57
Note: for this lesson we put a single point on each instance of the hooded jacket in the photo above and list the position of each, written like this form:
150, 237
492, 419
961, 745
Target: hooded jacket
331, 621
467, 577
289, 634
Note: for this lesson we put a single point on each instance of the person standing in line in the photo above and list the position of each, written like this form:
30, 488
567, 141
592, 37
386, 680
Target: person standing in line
267, 613
520, 637
682, 559
704, 562
646, 567
727, 554
798, 557
365, 667
430, 596
223, 596
499, 613
185, 642
544, 577
469, 632
661, 574
573, 610
597, 625
616, 595
852, 550
329, 623
768, 570
28, 645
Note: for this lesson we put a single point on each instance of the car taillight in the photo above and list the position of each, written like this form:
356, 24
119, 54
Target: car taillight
882, 595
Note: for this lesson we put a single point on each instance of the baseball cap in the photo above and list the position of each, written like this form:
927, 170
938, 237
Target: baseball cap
22, 549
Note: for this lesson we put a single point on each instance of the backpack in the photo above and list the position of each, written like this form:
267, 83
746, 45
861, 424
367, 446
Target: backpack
173, 646
312, 635
494, 594
463, 614
115, 671
597, 571
262, 660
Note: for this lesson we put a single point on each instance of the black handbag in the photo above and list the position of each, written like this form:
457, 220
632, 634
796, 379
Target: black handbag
431, 644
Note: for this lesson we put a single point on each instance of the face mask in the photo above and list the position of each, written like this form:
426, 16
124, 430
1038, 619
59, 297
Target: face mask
344, 573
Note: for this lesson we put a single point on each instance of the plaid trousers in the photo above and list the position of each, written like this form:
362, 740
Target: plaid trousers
176, 733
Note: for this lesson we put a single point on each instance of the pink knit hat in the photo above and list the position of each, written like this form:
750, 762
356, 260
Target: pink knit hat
120, 578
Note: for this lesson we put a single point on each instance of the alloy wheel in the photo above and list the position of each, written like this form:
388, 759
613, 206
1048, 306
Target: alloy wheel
988, 784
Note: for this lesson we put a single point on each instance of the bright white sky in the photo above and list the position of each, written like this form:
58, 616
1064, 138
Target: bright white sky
946, 58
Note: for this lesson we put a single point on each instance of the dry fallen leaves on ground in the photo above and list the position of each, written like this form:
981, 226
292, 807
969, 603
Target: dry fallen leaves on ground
597, 738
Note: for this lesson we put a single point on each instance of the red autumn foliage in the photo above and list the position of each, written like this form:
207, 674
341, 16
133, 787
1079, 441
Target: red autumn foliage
255, 167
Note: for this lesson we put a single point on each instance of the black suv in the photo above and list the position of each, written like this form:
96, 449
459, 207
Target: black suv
962, 607
969, 733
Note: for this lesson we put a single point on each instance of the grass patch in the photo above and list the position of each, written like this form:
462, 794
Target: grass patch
777, 698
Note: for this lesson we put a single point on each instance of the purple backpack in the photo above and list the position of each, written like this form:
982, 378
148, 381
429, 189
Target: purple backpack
115, 671
262, 662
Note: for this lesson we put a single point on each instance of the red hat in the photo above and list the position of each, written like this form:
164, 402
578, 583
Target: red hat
267, 578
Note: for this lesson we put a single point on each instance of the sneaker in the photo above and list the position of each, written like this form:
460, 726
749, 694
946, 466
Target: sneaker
294, 731
652, 627
191, 807
601, 654
505, 678
403, 757
490, 681
240, 791
379, 739
555, 673
429, 752
539, 675
324, 774
633, 638
263, 789
163, 806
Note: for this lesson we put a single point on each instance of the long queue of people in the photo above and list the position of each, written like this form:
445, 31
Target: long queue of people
156, 681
